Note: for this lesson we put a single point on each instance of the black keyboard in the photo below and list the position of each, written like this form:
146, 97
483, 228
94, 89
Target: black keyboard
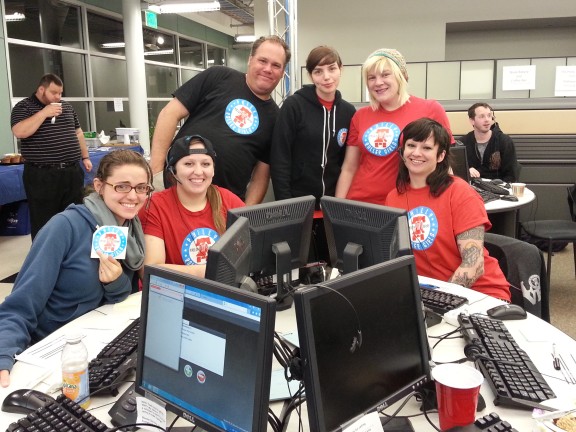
115, 361
60, 415
440, 301
489, 423
520, 385
490, 187
486, 195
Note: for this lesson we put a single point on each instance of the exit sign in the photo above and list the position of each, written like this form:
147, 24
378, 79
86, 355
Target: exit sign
151, 19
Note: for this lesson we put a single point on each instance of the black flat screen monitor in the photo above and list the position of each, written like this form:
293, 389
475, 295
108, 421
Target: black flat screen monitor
460, 162
229, 258
280, 237
205, 350
383, 303
361, 234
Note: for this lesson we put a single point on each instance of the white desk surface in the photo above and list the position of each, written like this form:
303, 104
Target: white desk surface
534, 336
498, 206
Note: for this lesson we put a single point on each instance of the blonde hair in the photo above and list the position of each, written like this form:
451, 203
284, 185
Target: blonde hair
377, 64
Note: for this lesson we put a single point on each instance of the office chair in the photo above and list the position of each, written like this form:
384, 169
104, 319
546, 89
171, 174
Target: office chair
523, 266
555, 230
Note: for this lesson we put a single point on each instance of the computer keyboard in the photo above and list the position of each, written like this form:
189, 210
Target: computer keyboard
115, 361
440, 301
490, 187
486, 195
519, 384
488, 423
60, 415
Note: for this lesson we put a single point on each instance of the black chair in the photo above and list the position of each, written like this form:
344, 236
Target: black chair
555, 231
523, 266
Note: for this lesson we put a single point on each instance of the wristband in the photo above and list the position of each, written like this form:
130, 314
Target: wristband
87, 157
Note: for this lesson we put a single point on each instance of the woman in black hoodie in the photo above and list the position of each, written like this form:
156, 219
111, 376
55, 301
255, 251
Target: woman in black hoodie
308, 141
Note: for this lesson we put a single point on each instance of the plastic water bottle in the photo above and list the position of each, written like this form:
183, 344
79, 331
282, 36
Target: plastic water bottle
75, 383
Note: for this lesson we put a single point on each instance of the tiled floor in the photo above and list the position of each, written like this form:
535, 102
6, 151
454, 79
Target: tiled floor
13, 250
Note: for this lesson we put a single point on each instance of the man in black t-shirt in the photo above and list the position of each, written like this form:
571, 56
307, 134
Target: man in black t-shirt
233, 110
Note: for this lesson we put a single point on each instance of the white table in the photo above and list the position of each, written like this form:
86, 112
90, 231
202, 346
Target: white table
504, 214
97, 327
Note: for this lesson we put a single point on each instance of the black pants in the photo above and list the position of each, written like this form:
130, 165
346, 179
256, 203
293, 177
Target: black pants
51, 190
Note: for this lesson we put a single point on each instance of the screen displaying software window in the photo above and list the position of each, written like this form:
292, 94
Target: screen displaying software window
199, 352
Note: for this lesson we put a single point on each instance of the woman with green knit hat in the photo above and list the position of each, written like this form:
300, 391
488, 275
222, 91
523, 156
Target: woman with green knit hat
371, 163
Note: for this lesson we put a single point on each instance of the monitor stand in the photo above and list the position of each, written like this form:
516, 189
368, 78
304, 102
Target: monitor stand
352, 252
283, 275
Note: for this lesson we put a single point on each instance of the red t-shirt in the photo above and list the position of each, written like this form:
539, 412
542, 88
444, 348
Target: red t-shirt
434, 225
376, 134
187, 235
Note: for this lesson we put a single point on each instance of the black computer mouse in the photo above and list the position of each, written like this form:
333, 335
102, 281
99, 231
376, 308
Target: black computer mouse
25, 401
507, 312
509, 198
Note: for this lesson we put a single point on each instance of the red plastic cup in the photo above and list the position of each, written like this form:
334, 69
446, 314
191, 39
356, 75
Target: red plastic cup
457, 390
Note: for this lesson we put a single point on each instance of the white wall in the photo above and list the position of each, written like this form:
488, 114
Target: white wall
417, 28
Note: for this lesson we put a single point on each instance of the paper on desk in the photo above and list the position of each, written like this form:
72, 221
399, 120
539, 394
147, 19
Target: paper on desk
150, 412
46, 353
280, 389
367, 423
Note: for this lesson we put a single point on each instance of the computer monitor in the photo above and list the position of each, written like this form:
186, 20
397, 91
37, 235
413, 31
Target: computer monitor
205, 350
460, 162
361, 234
345, 379
280, 237
228, 259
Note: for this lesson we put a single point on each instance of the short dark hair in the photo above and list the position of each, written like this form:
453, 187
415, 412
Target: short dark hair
419, 130
50, 78
322, 55
273, 39
472, 109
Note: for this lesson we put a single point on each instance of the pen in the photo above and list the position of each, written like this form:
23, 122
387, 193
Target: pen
556, 360
428, 286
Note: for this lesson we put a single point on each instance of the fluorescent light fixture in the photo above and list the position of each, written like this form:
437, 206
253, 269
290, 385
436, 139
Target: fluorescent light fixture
16, 16
245, 38
159, 52
113, 45
184, 7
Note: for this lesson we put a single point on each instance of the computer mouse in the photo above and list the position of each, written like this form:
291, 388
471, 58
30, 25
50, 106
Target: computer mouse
507, 312
24, 401
509, 198
497, 181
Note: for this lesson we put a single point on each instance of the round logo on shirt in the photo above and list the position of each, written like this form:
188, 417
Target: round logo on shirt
241, 116
381, 139
423, 227
341, 136
110, 240
196, 244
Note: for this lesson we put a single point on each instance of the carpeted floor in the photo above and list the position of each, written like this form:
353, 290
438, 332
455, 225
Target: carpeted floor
563, 292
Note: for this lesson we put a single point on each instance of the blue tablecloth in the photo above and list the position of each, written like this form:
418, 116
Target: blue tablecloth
12, 187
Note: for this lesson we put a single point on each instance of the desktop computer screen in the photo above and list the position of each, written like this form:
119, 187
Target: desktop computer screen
280, 237
206, 350
229, 258
361, 234
460, 162
363, 342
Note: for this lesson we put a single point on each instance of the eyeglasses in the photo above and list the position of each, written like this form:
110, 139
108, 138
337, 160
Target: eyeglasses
126, 188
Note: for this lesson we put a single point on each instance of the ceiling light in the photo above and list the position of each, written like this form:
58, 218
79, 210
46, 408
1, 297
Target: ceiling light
16, 16
245, 38
159, 52
113, 45
185, 7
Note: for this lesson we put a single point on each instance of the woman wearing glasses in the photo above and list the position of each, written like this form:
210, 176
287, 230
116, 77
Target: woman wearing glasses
59, 280
184, 221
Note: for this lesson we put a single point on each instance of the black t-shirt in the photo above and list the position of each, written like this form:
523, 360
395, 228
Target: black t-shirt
223, 109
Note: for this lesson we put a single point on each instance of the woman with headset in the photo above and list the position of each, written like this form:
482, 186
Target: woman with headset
371, 162
60, 278
447, 217
182, 222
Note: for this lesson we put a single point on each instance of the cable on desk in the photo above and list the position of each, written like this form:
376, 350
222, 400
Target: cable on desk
114, 429
446, 335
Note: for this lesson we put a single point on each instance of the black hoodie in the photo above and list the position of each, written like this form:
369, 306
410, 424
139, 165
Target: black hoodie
308, 145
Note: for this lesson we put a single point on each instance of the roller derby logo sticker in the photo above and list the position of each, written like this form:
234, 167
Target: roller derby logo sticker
110, 240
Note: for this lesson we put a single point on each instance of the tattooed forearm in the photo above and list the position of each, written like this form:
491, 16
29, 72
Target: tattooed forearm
470, 253
476, 233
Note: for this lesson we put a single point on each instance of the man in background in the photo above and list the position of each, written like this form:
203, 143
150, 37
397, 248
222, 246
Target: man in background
233, 110
491, 153
52, 143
